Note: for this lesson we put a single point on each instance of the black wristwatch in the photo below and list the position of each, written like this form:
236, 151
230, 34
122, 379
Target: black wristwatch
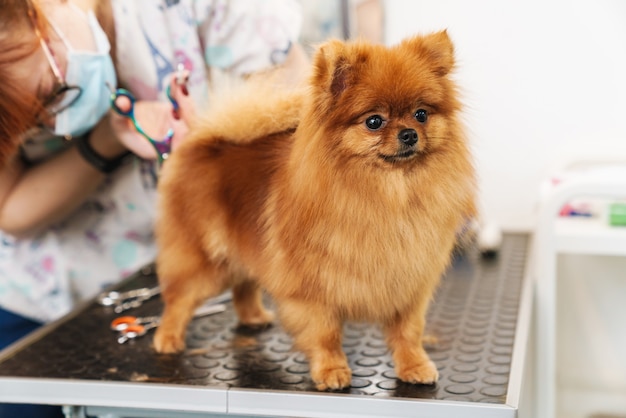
104, 165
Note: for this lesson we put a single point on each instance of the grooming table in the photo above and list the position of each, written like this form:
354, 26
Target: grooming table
480, 320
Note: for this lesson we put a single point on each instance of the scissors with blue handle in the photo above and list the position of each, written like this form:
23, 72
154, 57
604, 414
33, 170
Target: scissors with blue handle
163, 146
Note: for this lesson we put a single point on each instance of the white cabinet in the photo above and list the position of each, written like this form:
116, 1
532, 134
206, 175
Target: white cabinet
555, 235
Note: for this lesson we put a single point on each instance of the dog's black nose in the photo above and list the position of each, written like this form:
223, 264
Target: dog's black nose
408, 137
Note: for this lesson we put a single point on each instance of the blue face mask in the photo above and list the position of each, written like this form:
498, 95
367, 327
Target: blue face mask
92, 72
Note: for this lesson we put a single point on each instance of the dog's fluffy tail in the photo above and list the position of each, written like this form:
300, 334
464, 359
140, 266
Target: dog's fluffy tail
241, 110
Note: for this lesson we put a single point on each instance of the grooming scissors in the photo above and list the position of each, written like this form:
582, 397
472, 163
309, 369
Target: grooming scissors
162, 147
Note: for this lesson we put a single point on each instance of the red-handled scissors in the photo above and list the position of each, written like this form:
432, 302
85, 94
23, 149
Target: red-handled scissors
130, 327
124, 322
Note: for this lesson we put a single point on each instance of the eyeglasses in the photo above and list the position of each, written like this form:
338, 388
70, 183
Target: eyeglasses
63, 95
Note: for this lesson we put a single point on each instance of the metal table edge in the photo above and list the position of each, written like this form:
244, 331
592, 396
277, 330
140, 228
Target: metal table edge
136, 395
522, 333
330, 405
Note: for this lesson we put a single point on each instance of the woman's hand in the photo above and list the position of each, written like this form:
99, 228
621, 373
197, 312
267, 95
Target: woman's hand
186, 107
155, 118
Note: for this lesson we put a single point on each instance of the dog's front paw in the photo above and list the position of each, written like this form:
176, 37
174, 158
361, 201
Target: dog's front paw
333, 379
424, 373
167, 342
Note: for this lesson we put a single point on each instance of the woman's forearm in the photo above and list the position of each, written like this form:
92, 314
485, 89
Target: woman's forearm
34, 198
47, 193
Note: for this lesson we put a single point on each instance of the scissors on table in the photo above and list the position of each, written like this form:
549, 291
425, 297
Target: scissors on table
122, 301
135, 330
122, 323
130, 327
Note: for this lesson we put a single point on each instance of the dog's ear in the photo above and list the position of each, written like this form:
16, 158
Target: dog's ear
436, 48
332, 68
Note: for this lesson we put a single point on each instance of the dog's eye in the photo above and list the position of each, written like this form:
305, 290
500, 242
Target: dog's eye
421, 115
374, 122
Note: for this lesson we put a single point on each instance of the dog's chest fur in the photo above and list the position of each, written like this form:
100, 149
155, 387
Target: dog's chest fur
364, 251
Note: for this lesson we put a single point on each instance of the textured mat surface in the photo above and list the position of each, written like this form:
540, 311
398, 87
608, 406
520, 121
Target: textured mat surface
472, 320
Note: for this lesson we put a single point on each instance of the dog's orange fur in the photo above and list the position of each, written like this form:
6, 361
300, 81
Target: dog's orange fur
289, 191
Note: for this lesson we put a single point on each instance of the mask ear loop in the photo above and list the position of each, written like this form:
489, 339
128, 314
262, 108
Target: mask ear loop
162, 147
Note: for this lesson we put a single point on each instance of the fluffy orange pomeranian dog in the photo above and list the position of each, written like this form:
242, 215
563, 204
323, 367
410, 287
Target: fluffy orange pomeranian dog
342, 201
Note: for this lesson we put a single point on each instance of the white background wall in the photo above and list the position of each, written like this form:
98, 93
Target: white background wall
544, 81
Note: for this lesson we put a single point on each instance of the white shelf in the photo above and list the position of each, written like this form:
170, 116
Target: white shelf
555, 235
591, 236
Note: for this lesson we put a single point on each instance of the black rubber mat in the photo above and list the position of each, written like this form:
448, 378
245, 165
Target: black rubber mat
472, 322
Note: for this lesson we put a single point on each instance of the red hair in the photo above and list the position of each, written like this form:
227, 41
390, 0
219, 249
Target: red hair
18, 108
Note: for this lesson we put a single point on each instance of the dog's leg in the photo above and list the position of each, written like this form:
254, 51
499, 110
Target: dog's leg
405, 334
248, 302
183, 292
318, 333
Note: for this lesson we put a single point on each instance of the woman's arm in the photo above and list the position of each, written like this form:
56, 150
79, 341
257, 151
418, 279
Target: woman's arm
33, 198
